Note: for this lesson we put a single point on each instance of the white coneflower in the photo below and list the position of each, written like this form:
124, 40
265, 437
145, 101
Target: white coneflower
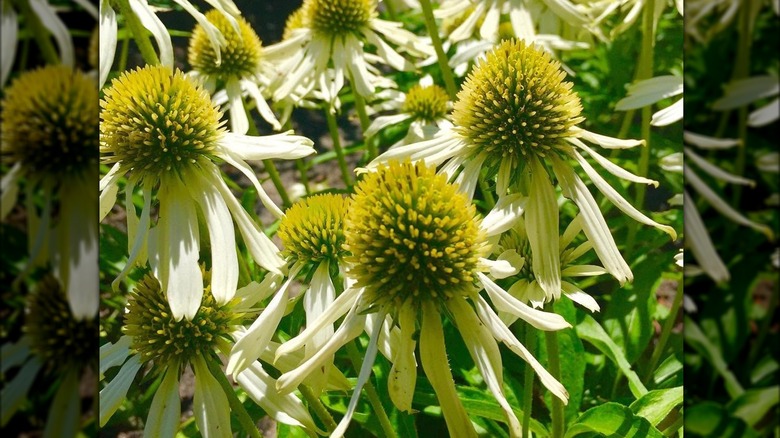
527, 289
697, 238
159, 345
526, 17
515, 115
331, 38
653, 90
149, 20
162, 129
312, 232
235, 69
55, 345
627, 11
49, 139
416, 253
424, 107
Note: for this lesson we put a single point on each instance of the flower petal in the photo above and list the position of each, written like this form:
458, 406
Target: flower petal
715, 171
607, 142
698, 240
64, 413
57, 28
503, 301
108, 190
14, 392
160, 33
9, 189
316, 302
239, 123
578, 296
165, 411
210, 404
113, 354
433, 355
707, 142
541, 221
113, 395
505, 213
9, 26
403, 374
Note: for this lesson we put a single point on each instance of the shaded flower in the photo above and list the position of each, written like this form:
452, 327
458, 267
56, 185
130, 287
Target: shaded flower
162, 129
50, 141
653, 90
417, 252
161, 346
745, 91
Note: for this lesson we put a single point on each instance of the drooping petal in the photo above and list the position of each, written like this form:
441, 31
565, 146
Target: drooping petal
247, 349
593, 223
507, 264
15, 391
541, 221
9, 189
649, 91
215, 37
607, 142
64, 419
715, 171
260, 103
504, 214
507, 303
614, 197
113, 395
255, 292
363, 375
707, 142
9, 29
283, 146
698, 240
468, 179
435, 151
612, 167
114, 354
261, 388
239, 123
108, 40
390, 56
316, 302
57, 28
668, 115
403, 374
578, 296
765, 115
153, 24
382, 122
433, 355
108, 190
210, 405
503, 334
139, 243
744, 91
224, 259
357, 67
165, 411
13, 354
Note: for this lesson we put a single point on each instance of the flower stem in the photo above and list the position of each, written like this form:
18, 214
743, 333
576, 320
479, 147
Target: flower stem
666, 330
433, 31
360, 107
273, 172
528, 381
301, 166
742, 70
124, 54
139, 33
555, 369
373, 396
318, 407
235, 404
39, 32
334, 134
483, 187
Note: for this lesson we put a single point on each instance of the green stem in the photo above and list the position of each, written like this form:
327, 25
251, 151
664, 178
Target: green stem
373, 396
334, 135
139, 33
555, 369
433, 31
390, 7
124, 54
666, 330
39, 32
273, 172
528, 381
742, 70
301, 166
486, 192
360, 107
236, 406
318, 407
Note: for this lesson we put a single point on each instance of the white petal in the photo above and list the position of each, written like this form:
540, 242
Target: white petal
178, 249
446, 145
698, 240
210, 405
108, 40
247, 349
489, 29
88, 6
350, 328
212, 33
339, 307
239, 164
363, 375
484, 350
719, 204
541, 221
113, 395
239, 123
65, 410
224, 259
567, 11
403, 374
357, 67
507, 303
593, 223
668, 115
114, 354
109, 189
80, 252
284, 146
382, 122
744, 91
583, 271
165, 411
649, 91
505, 266
13, 354
619, 202
261, 104
469, 178
160, 33
316, 301
607, 142
9, 28
715, 171
433, 355
612, 167
254, 292
59, 31
390, 56
503, 334
139, 243
765, 115
466, 28
263, 250
578, 296
287, 409
707, 142
505, 214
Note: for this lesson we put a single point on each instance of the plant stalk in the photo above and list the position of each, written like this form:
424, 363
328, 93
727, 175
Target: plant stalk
433, 31
373, 396
553, 362
139, 33
334, 135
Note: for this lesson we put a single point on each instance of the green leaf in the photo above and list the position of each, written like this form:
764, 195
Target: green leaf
656, 404
711, 351
613, 419
754, 404
712, 419
590, 330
